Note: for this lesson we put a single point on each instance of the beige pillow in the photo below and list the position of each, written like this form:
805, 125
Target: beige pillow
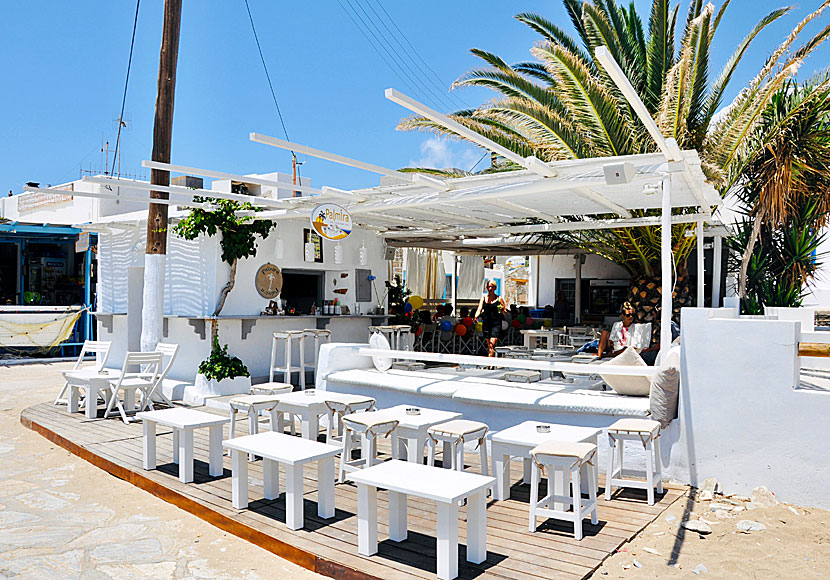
665, 388
624, 384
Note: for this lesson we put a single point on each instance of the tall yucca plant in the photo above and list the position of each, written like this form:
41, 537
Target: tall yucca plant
562, 105
782, 179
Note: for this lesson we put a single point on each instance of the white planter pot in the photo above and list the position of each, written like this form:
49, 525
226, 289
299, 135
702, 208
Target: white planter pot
205, 388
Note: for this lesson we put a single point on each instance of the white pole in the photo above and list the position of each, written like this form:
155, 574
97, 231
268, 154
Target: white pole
454, 283
700, 267
716, 265
578, 290
666, 268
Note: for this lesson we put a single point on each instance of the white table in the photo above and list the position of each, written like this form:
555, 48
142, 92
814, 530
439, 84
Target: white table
311, 407
183, 422
93, 382
412, 430
294, 453
445, 487
519, 440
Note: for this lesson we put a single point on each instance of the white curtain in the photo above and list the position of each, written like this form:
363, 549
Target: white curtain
424, 273
470, 277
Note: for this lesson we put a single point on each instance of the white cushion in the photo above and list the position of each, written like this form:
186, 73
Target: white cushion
564, 449
665, 388
378, 341
628, 385
630, 425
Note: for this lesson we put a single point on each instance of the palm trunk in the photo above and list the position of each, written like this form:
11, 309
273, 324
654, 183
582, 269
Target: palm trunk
214, 332
750, 246
645, 296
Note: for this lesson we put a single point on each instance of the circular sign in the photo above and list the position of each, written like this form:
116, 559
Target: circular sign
268, 281
331, 221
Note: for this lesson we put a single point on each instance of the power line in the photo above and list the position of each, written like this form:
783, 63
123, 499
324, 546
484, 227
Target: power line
268, 76
126, 83
363, 28
426, 86
440, 82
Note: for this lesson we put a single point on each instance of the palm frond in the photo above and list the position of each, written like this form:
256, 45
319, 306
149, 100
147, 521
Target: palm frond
551, 32
589, 101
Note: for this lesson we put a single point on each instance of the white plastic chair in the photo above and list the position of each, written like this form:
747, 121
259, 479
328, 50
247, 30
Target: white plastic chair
101, 349
129, 382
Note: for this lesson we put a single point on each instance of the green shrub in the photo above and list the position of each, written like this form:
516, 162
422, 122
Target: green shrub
220, 365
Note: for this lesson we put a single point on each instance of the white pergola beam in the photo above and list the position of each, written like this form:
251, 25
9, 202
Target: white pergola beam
589, 193
531, 163
557, 227
190, 193
119, 197
431, 182
617, 75
231, 176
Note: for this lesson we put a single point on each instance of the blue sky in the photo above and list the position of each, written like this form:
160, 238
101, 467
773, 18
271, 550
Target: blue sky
63, 65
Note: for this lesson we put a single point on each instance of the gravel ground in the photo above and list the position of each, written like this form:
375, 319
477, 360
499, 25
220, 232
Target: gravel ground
62, 518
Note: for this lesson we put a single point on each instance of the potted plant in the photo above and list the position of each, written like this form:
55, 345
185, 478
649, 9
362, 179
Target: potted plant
221, 374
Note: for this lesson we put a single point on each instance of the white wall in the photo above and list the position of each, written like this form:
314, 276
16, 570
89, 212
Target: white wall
78, 210
743, 421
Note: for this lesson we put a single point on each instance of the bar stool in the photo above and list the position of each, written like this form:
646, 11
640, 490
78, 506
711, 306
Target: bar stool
400, 333
319, 335
646, 432
253, 405
338, 409
387, 331
370, 425
454, 434
289, 337
572, 459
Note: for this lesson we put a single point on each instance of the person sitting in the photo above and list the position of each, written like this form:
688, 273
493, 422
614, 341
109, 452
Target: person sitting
624, 333
439, 312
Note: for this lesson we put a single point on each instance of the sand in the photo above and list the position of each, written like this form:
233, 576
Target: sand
795, 544
61, 517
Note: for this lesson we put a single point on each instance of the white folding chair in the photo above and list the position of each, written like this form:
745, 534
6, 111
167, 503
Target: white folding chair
149, 364
168, 351
101, 349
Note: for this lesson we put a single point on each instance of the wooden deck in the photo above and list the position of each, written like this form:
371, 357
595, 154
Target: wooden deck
329, 547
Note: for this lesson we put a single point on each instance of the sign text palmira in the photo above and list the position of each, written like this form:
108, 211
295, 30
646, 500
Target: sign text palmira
331, 221
268, 281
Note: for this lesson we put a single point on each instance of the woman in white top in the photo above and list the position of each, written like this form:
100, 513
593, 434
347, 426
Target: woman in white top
624, 333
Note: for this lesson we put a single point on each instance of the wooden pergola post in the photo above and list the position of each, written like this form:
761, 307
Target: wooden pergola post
152, 314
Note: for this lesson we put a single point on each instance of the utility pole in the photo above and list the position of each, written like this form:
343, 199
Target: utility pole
152, 313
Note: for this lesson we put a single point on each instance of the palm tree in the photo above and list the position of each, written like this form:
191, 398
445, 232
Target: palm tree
563, 105
782, 182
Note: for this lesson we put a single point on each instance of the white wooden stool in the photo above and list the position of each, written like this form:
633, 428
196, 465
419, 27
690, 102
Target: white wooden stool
319, 335
253, 405
454, 434
339, 409
646, 432
288, 337
573, 459
387, 331
273, 388
369, 425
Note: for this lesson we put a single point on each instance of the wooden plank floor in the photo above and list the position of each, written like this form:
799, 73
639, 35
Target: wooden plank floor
330, 546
